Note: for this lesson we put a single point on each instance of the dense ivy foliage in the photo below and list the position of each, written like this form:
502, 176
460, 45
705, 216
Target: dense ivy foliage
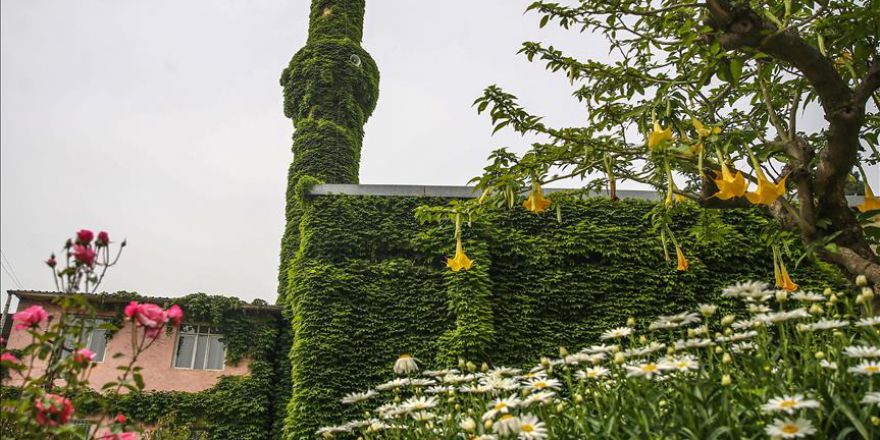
330, 89
369, 284
241, 407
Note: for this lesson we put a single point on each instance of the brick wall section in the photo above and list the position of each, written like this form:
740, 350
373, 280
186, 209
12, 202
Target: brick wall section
158, 372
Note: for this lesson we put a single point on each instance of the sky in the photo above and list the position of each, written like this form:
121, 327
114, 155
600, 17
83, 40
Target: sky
161, 122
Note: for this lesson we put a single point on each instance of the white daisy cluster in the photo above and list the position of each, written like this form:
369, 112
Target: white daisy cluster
783, 367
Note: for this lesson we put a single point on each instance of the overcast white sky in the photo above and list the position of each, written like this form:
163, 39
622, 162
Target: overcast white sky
161, 122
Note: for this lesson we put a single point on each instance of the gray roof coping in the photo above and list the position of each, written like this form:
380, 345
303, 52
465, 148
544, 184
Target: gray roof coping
461, 192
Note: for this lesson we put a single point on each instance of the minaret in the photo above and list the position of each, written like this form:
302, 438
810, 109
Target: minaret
330, 89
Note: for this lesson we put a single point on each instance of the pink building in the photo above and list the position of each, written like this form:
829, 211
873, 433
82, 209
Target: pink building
190, 359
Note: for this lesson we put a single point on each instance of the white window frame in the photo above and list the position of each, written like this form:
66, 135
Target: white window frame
87, 341
192, 359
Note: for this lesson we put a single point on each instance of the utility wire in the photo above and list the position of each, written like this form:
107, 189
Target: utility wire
11, 276
11, 270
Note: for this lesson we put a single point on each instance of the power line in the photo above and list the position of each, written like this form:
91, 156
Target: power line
11, 276
11, 269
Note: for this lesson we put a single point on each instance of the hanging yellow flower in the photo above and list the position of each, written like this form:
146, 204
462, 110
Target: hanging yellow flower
871, 202
729, 185
767, 191
682, 261
702, 130
783, 280
460, 260
536, 202
658, 135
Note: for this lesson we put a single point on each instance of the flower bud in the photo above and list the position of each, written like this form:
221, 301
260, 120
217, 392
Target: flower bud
718, 350
51, 261
819, 355
781, 296
471, 366
643, 340
828, 291
578, 398
461, 363
619, 358
692, 333
670, 350
867, 293
875, 420
816, 309
561, 407
728, 331
487, 424
563, 352
726, 358
728, 319
484, 367
631, 322
545, 362
859, 299
103, 239
468, 424
833, 299
726, 380
861, 281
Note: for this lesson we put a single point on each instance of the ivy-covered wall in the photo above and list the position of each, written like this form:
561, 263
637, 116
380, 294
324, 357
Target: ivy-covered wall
330, 89
369, 284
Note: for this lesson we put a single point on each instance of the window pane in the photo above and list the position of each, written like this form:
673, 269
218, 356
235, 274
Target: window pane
98, 344
216, 354
201, 348
185, 346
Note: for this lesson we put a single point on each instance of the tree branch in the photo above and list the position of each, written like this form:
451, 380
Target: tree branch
870, 83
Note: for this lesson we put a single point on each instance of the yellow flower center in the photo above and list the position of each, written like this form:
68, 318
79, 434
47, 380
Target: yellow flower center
787, 404
500, 406
540, 385
872, 369
791, 429
650, 368
528, 427
592, 373
505, 418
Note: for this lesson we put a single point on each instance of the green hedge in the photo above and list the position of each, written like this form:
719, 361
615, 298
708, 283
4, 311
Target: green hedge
369, 284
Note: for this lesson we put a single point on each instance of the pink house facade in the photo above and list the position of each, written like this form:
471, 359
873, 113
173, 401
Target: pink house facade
189, 359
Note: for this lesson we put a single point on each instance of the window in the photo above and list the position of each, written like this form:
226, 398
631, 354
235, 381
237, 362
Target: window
91, 337
200, 347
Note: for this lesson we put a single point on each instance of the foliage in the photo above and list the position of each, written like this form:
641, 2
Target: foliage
330, 89
170, 428
690, 87
369, 283
693, 375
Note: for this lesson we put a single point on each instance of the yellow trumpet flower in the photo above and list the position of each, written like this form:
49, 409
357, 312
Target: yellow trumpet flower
730, 185
658, 135
767, 191
702, 130
460, 260
783, 280
871, 202
682, 261
536, 202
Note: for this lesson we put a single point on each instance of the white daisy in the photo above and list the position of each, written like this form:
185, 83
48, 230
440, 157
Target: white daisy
422, 416
737, 336
530, 428
617, 333
682, 344
604, 348
707, 309
672, 321
439, 389
861, 351
406, 364
789, 404
652, 347
357, 397
418, 382
506, 425
504, 371
807, 296
500, 406
592, 373
539, 384
583, 358
824, 324
455, 379
868, 322
868, 368
777, 317
742, 347
539, 398
872, 398
647, 370
789, 428
440, 373
746, 324
392, 384
748, 289
682, 363
758, 308
330, 431
419, 403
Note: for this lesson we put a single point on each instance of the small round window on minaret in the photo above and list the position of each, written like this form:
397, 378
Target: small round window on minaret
355, 60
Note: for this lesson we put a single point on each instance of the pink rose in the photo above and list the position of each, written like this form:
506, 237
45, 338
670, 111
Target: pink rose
103, 239
175, 313
53, 410
83, 356
30, 317
120, 418
9, 357
147, 315
84, 236
84, 254
119, 436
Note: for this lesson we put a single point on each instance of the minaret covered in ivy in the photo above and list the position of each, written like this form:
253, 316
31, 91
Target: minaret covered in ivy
330, 89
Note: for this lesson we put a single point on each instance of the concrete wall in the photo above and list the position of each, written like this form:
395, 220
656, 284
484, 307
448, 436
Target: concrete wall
158, 372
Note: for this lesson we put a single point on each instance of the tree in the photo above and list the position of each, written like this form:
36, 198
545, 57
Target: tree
715, 93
